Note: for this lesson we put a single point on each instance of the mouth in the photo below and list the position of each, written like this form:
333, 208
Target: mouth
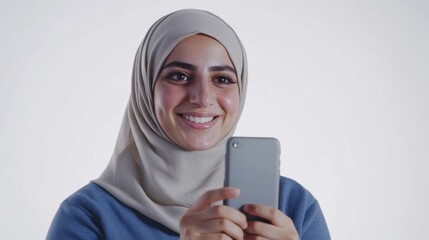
198, 119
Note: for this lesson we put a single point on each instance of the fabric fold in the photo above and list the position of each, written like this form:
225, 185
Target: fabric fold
147, 171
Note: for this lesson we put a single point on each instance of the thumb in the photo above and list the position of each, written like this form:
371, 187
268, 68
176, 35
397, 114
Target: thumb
210, 197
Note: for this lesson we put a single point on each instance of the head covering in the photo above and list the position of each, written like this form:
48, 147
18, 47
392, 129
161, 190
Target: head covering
148, 171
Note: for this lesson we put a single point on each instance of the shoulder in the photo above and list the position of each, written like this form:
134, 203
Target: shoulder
303, 208
77, 215
294, 193
91, 200
90, 197
93, 213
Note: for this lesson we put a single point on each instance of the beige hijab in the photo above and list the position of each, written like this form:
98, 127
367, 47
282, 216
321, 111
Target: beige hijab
148, 171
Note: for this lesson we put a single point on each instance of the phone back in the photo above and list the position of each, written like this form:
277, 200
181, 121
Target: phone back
252, 164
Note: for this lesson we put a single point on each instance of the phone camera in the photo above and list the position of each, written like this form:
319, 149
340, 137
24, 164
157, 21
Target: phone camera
235, 144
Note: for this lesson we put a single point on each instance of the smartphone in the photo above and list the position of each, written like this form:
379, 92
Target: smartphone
253, 165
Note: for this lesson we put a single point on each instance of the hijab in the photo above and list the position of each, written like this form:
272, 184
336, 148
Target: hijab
147, 171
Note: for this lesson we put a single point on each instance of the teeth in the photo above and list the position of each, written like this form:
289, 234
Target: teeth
198, 119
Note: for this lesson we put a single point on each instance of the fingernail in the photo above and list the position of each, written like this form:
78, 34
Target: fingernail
235, 190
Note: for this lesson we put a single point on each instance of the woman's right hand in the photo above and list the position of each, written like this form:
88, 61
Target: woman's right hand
205, 221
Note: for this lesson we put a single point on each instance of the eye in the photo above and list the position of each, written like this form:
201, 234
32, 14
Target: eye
224, 80
178, 77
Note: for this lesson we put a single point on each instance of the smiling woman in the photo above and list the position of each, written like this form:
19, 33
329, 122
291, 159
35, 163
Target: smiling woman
167, 171
196, 94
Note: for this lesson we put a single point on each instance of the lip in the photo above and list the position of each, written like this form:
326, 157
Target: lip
196, 125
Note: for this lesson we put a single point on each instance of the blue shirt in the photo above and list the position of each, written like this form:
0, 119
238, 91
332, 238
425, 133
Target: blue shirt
93, 213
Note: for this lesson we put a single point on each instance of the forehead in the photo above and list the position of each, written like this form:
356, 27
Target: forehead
199, 49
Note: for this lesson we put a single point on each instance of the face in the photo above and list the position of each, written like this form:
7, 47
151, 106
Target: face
196, 93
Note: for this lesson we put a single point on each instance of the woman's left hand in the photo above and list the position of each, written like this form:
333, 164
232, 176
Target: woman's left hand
280, 226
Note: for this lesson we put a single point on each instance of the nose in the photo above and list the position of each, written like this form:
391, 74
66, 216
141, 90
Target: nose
201, 93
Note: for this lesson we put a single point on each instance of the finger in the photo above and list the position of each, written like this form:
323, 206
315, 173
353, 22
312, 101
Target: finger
202, 230
281, 226
213, 219
210, 197
221, 225
229, 213
249, 236
216, 236
208, 236
275, 216
262, 230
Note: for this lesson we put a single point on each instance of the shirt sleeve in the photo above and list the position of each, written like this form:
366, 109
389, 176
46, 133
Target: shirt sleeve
72, 222
304, 210
314, 224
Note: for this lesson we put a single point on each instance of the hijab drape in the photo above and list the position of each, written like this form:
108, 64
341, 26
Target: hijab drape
147, 171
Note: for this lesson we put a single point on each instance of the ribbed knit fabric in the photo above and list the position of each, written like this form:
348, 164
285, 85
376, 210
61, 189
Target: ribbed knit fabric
92, 213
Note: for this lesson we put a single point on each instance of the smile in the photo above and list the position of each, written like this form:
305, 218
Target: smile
196, 119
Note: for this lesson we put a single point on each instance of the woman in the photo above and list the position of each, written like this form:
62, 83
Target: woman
167, 170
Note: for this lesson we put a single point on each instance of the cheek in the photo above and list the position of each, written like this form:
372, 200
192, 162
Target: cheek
165, 98
230, 102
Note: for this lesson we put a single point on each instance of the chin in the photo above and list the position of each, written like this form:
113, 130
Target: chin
199, 146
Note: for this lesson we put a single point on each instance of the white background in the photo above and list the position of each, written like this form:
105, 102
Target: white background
344, 85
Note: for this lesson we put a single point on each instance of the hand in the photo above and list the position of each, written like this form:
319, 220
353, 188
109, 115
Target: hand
205, 221
281, 226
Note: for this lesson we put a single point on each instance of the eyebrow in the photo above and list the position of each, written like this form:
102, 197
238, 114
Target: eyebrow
193, 67
181, 65
222, 68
